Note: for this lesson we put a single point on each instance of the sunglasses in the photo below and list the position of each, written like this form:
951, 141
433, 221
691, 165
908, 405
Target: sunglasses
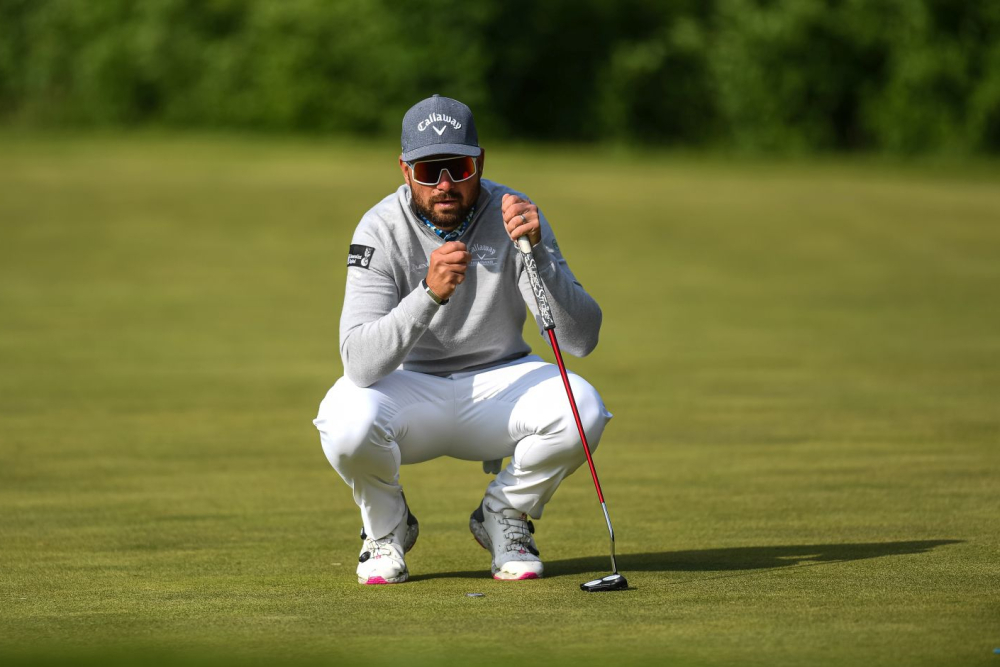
428, 172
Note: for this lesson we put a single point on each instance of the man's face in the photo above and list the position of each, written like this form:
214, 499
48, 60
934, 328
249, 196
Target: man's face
447, 203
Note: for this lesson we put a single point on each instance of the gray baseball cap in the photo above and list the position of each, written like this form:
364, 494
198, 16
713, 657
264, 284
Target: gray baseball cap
439, 126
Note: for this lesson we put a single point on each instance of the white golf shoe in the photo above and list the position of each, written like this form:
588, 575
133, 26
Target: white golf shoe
507, 535
381, 560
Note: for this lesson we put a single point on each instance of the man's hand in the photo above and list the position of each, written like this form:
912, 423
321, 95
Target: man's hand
447, 268
520, 217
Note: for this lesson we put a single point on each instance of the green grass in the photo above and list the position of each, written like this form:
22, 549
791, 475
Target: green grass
803, 360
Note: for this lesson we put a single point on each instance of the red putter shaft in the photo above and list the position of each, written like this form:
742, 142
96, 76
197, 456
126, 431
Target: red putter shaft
576, 413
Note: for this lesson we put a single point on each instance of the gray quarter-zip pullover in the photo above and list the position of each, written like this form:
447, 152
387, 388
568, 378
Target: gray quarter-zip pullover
390, 322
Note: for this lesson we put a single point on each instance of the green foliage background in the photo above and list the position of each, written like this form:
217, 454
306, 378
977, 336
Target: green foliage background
900, 76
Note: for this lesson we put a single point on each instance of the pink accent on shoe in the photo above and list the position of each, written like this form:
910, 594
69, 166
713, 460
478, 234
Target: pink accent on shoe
375, 580
526, 575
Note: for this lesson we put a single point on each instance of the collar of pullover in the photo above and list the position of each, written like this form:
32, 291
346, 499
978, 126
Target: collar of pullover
453, 234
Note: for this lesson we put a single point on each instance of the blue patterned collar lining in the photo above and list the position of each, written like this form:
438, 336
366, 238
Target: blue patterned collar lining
455, 233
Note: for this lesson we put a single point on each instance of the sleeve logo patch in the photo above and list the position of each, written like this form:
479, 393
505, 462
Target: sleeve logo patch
360, 255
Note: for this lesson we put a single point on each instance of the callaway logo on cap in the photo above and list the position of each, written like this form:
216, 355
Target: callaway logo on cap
439, 126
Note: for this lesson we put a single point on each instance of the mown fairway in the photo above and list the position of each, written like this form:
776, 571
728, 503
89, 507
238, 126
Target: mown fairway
803, 361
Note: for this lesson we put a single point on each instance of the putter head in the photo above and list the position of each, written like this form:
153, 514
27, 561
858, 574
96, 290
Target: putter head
612, 582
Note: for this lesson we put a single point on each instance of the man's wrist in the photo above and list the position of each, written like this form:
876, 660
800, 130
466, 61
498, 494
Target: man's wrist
434, 297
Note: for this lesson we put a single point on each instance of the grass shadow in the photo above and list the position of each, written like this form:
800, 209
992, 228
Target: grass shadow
743, 558
734, 559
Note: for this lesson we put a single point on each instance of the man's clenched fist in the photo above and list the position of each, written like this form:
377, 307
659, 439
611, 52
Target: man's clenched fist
447, 268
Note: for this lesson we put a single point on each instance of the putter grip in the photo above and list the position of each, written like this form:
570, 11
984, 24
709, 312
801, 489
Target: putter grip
544, 312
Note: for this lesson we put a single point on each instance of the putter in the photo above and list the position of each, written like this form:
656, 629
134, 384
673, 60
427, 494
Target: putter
614, 581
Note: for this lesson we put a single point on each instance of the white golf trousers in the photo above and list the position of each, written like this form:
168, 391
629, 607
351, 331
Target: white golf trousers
519, 409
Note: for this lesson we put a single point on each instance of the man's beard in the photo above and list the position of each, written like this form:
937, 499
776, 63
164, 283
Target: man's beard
446, 221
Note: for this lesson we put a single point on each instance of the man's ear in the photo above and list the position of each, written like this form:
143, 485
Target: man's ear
403, 167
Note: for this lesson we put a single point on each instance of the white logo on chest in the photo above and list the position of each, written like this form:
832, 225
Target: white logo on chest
483, 254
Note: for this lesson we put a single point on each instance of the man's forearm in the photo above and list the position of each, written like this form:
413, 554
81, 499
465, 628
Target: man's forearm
576, 313
371, 350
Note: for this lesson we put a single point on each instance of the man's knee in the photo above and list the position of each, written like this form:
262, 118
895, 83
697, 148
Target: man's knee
347, 423
593, 415
561, 426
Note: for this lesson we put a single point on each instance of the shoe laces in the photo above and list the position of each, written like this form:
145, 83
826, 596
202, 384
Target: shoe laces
517, 530
374, 548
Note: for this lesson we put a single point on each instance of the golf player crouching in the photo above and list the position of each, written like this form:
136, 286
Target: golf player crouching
434, 360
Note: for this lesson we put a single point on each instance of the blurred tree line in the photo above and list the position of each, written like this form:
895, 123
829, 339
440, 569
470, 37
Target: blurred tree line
764, 75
